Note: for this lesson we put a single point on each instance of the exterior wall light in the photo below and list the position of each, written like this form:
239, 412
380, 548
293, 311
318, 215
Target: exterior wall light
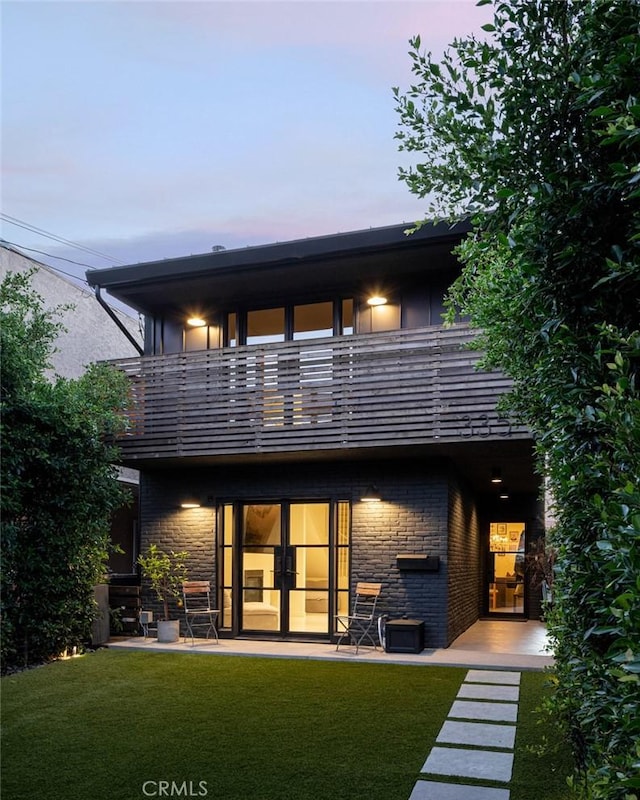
372, 495
377, 300
496, 475
190, 502
196, 322
504, 493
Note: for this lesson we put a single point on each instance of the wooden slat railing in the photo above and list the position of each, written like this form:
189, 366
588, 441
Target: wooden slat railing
370, 390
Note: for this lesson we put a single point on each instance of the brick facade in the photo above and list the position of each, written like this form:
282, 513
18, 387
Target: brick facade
464, 573
425, 509
412, 518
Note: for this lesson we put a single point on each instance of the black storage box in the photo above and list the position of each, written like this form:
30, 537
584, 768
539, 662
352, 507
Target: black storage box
404, 636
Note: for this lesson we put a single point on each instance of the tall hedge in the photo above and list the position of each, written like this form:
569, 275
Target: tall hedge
534, 132
58, 483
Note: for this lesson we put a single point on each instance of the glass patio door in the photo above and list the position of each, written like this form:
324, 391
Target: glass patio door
285, 567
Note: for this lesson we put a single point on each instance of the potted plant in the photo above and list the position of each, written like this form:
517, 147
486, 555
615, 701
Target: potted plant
166, 572
540, 561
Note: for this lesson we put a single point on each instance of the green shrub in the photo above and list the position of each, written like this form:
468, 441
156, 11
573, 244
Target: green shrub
58, 484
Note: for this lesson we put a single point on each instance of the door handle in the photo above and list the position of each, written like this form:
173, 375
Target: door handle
277, 567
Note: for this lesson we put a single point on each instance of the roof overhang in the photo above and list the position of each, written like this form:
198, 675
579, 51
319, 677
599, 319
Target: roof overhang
310, 265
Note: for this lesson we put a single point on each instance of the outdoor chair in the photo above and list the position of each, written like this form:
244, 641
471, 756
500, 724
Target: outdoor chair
198, 611
360, 625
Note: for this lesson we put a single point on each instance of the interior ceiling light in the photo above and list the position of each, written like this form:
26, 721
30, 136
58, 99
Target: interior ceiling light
196, 322
496, 475
377, 300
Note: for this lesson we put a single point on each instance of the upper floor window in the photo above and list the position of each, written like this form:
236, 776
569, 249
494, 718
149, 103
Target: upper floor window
265, 326
304, 321
290, 323
313, 321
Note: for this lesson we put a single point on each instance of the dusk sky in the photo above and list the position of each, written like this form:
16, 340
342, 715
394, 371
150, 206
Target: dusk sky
155, 129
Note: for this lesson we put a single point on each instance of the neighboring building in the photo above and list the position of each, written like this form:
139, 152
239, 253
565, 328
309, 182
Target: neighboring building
90, 336
280, 386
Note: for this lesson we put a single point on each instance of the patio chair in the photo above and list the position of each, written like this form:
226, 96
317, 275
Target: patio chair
198, 611
360, 625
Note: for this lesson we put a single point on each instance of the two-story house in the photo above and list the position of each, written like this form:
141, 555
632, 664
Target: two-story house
282, 389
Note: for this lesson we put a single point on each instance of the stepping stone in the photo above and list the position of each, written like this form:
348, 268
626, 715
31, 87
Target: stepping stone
496, 712
493, 676
485, 691
478, 733
482, 764
430, 790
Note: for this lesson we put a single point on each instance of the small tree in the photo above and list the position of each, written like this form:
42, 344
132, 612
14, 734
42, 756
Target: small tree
166, 573
535, 133
59, 487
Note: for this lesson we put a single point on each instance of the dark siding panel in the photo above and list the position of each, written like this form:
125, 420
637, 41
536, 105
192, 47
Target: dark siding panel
172, 337
416, 312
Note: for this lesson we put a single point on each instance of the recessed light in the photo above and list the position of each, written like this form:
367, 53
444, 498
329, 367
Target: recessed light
377, 300
196, 322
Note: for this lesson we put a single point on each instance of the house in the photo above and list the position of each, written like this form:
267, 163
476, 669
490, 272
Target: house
285, 386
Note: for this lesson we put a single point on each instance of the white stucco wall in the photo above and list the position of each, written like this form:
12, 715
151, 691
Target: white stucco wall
91, 334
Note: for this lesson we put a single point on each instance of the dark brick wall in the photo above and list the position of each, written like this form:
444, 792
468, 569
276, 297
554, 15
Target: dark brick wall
164, 523
412, 518
464, 577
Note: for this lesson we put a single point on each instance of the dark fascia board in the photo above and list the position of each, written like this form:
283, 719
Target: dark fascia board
261, 257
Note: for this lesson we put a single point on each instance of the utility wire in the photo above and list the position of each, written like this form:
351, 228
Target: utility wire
60, 239
49, 255
69, 274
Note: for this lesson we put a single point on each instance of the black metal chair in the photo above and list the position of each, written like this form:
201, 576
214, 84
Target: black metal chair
198, 611
360, 625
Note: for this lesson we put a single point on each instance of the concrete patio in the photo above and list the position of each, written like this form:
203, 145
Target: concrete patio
491, 644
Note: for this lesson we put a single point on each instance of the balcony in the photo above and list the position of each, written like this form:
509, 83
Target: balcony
323, 396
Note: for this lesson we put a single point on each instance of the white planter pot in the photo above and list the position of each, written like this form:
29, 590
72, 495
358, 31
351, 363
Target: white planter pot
168, 630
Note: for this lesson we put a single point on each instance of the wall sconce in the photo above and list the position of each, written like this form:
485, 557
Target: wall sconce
377, 300
496, 475
372, 495
190, 502
504, 493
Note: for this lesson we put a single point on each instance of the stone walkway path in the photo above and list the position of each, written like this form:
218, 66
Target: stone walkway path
476, 741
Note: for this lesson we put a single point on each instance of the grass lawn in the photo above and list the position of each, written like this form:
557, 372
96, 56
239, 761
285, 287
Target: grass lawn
98, 727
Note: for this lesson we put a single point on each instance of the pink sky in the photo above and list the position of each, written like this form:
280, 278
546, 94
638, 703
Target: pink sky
156, 129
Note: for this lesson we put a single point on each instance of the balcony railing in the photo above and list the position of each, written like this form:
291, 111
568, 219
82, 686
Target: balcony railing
409, 387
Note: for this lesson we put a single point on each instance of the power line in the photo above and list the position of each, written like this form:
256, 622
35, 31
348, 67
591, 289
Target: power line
70, 274
60, 239
49, 255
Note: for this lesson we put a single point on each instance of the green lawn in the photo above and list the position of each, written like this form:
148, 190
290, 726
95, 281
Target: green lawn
98, 727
